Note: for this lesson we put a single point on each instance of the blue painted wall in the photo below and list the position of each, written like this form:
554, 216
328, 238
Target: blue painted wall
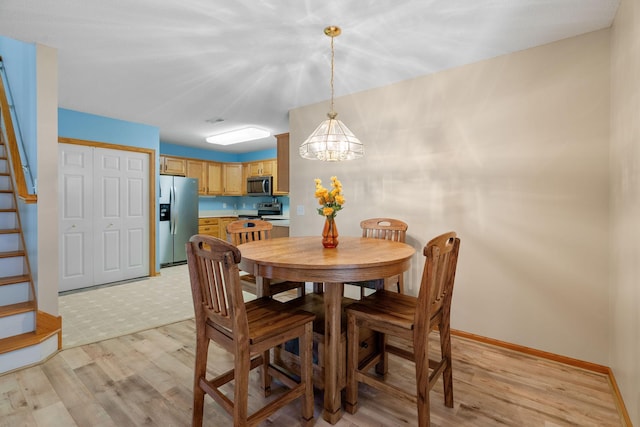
19, 60
78, 125
215, 156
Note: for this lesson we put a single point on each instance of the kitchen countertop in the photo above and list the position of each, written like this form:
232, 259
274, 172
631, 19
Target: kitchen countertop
282, 217
223, 213
276, 220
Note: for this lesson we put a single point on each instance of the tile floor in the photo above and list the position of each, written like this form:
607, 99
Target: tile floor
106, 312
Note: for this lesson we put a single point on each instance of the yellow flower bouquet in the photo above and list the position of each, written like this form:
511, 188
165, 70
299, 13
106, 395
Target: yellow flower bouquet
330, 200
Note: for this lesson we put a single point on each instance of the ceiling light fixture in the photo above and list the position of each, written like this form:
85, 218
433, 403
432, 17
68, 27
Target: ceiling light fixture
238, 135
332, 141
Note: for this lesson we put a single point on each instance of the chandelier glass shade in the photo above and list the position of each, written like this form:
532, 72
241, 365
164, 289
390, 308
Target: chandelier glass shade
332, 141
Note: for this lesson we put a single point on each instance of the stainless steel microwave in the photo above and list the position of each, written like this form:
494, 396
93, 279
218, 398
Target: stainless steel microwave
260, 186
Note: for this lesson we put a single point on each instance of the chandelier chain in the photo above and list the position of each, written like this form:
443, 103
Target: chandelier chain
332, 67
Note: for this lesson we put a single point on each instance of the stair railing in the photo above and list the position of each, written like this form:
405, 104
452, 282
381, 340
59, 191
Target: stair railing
18, 160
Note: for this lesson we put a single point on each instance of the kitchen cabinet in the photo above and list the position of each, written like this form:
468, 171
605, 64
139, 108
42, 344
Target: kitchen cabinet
262, 168
245, 175
214, 178
281, 178
224, 221
172, 166
279, 231
209, 226
229, 179
232, 177
208, 174
197, 169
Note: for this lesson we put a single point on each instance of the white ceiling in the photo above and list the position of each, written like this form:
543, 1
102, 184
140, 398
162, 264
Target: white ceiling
179, 64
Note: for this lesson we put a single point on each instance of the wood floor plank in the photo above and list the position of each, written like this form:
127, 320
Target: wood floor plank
79, 401
146, 379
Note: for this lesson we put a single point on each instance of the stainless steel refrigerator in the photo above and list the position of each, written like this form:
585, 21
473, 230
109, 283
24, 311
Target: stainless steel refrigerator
178, 203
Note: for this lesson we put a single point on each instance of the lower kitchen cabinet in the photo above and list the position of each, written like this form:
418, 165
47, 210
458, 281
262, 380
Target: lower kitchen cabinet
210, 226
223, 226
279, 231
215, 226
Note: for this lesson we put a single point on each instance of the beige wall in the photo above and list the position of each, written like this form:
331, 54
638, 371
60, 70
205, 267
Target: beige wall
512, 153
625, 204
46, 271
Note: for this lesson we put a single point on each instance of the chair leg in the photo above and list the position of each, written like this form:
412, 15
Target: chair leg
421, 353
242, 367
447, 374
266, 378
318, 287
382, 367
351, 396
306, 374
200, 371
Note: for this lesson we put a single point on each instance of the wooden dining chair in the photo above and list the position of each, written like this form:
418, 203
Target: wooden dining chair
411, 319
389, 229
248, 331
249, 230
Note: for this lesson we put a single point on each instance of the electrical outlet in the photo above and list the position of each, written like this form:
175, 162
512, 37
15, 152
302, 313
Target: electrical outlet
224, 206
244, 205
300, 210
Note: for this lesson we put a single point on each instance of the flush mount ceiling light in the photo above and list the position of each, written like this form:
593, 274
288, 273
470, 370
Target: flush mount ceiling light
238, 135
332, 141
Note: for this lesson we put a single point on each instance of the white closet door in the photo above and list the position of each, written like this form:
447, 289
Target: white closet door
121, 206
136, 215
109, 190
75, 182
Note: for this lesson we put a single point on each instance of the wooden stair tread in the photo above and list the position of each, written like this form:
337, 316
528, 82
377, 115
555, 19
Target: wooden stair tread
10, 231
28, 339
18, 308
8, 210
10, 280
12, 254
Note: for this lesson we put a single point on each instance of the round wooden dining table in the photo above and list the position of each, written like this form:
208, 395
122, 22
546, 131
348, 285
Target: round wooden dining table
304, 259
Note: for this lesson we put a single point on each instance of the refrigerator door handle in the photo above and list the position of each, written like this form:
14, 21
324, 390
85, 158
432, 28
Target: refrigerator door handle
172, 203
175, 212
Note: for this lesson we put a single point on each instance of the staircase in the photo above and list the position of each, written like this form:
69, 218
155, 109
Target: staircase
27, 336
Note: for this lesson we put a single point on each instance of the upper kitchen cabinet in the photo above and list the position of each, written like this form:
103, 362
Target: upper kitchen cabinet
214, 178
262, 167
232, 179
198, 169
208, 174
281, 179
172, 166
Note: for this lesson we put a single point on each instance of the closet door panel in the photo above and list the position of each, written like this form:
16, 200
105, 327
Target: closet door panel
136, 215
75, 182
108, 219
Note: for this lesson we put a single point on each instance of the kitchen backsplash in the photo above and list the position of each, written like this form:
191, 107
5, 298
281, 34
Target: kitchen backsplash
235, 204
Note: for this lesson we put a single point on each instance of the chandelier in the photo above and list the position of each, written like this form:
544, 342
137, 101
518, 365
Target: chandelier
332, 140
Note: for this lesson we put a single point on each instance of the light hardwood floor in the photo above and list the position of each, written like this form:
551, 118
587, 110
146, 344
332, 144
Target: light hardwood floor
145, 378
